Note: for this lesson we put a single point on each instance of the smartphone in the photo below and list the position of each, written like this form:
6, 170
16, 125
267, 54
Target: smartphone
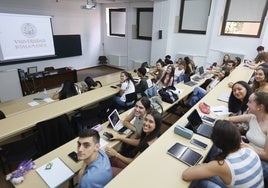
208, 119
113, 87
108, 135
198, 143
73, 156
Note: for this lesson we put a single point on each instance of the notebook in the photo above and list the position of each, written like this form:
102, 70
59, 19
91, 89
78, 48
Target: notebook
185, 154
116, 124
224, 97
56, 174
187, 80
196, 124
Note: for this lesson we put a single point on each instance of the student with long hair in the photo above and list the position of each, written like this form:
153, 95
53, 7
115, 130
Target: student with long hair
260, 82
235, 166
238, 99
150, 133
68, 90
167, 78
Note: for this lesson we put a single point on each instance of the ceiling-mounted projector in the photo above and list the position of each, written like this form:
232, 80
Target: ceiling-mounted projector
89, 5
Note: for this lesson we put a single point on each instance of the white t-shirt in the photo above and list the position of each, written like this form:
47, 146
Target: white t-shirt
128, 87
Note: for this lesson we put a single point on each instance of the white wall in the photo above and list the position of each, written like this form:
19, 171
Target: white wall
68, 18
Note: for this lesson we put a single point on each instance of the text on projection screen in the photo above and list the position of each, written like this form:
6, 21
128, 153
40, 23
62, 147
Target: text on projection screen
25, 36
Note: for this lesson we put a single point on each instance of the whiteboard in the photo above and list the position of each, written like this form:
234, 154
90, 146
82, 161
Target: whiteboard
10, 85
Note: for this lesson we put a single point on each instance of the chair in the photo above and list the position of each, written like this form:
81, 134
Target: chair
14, 153
54, 133
103, 60
49, 68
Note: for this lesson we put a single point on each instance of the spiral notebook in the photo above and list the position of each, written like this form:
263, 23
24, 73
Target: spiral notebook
185, 154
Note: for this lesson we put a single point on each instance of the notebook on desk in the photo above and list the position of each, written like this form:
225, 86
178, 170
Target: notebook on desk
184, 154
196, 124
116, 124
55, 172
187, 80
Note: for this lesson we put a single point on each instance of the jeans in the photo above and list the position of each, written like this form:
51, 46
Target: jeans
198, 94
214, 182
119, 102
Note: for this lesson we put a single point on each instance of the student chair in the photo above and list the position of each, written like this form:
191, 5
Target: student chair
12, 154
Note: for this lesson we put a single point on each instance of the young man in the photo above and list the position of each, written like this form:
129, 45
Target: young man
96, 169
144, 83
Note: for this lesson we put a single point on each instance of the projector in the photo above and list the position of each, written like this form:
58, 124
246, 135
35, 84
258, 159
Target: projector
89, 6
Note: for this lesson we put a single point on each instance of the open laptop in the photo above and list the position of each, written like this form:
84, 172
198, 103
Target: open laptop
116, 124
187, 80
197, 125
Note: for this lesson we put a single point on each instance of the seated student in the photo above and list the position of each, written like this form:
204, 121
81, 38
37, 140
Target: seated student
190, 66
199, 92
68, 89
150, 133
238, 99
257, 121
168, 60
260, 82
157, 72
127, 86
225, 59
2, 115
230, 65
261, 58
144, 83
179, 71
167, 78
234, 166
96, 168
237, 61
91, 84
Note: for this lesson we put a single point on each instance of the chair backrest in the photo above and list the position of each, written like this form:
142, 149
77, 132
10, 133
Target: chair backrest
131, 97
20, 150
54, 133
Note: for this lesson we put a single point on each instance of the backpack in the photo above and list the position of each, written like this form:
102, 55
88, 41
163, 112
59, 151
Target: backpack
168, 94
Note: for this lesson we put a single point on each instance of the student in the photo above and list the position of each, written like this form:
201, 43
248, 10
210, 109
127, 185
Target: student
68, 89
235, 166
225, 59
167, 78
150, 133
257, 121
168, 60
2, 115
238, 99
96, 169
144, 83
199, 92
91, 84
260, 82
230, 65
190, 66
179, 71
127, 86
237, 61
157, 72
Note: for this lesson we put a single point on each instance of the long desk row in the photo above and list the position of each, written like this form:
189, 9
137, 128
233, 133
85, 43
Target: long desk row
154, 167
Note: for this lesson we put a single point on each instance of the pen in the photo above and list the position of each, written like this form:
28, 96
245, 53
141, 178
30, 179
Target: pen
217, 111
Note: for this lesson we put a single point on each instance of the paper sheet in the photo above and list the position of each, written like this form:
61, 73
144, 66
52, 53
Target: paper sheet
224, 97
48, 100
33, 103
220, 110
58, 173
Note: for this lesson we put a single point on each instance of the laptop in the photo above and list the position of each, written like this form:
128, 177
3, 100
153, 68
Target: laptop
116, 124
187, 80
197, 125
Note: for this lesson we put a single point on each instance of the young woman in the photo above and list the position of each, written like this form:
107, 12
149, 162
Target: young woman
127, 86
69, 89
167, 78
157, 73
190, 66
235, 166
238, 99
179, 71
150, 133
225, 59
257, 121
260, 82
199, 92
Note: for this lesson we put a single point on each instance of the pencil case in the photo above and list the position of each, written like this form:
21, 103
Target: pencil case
184, 132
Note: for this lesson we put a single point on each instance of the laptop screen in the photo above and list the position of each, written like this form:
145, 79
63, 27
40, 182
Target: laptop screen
201, 70
194, 119
114, 118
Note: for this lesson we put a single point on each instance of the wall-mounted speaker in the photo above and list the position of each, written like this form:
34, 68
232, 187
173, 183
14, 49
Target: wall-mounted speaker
160, 34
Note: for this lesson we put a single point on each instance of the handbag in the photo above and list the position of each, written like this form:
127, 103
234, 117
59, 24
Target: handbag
205, 108
168, 94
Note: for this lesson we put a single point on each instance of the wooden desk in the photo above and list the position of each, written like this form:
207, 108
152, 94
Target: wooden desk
23, 121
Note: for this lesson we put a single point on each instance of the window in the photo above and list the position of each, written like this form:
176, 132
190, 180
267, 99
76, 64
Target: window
144, 23
117, 22
244, 17
194, 16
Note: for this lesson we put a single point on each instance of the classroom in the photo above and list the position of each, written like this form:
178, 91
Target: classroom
129, 33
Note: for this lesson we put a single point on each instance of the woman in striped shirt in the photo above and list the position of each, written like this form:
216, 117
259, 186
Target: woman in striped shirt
235, 166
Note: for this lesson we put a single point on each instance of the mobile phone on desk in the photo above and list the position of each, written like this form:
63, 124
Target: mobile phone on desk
113, 87
198, 143
73, 156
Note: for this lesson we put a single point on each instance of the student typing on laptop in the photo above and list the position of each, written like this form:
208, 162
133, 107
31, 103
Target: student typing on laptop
150, 132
